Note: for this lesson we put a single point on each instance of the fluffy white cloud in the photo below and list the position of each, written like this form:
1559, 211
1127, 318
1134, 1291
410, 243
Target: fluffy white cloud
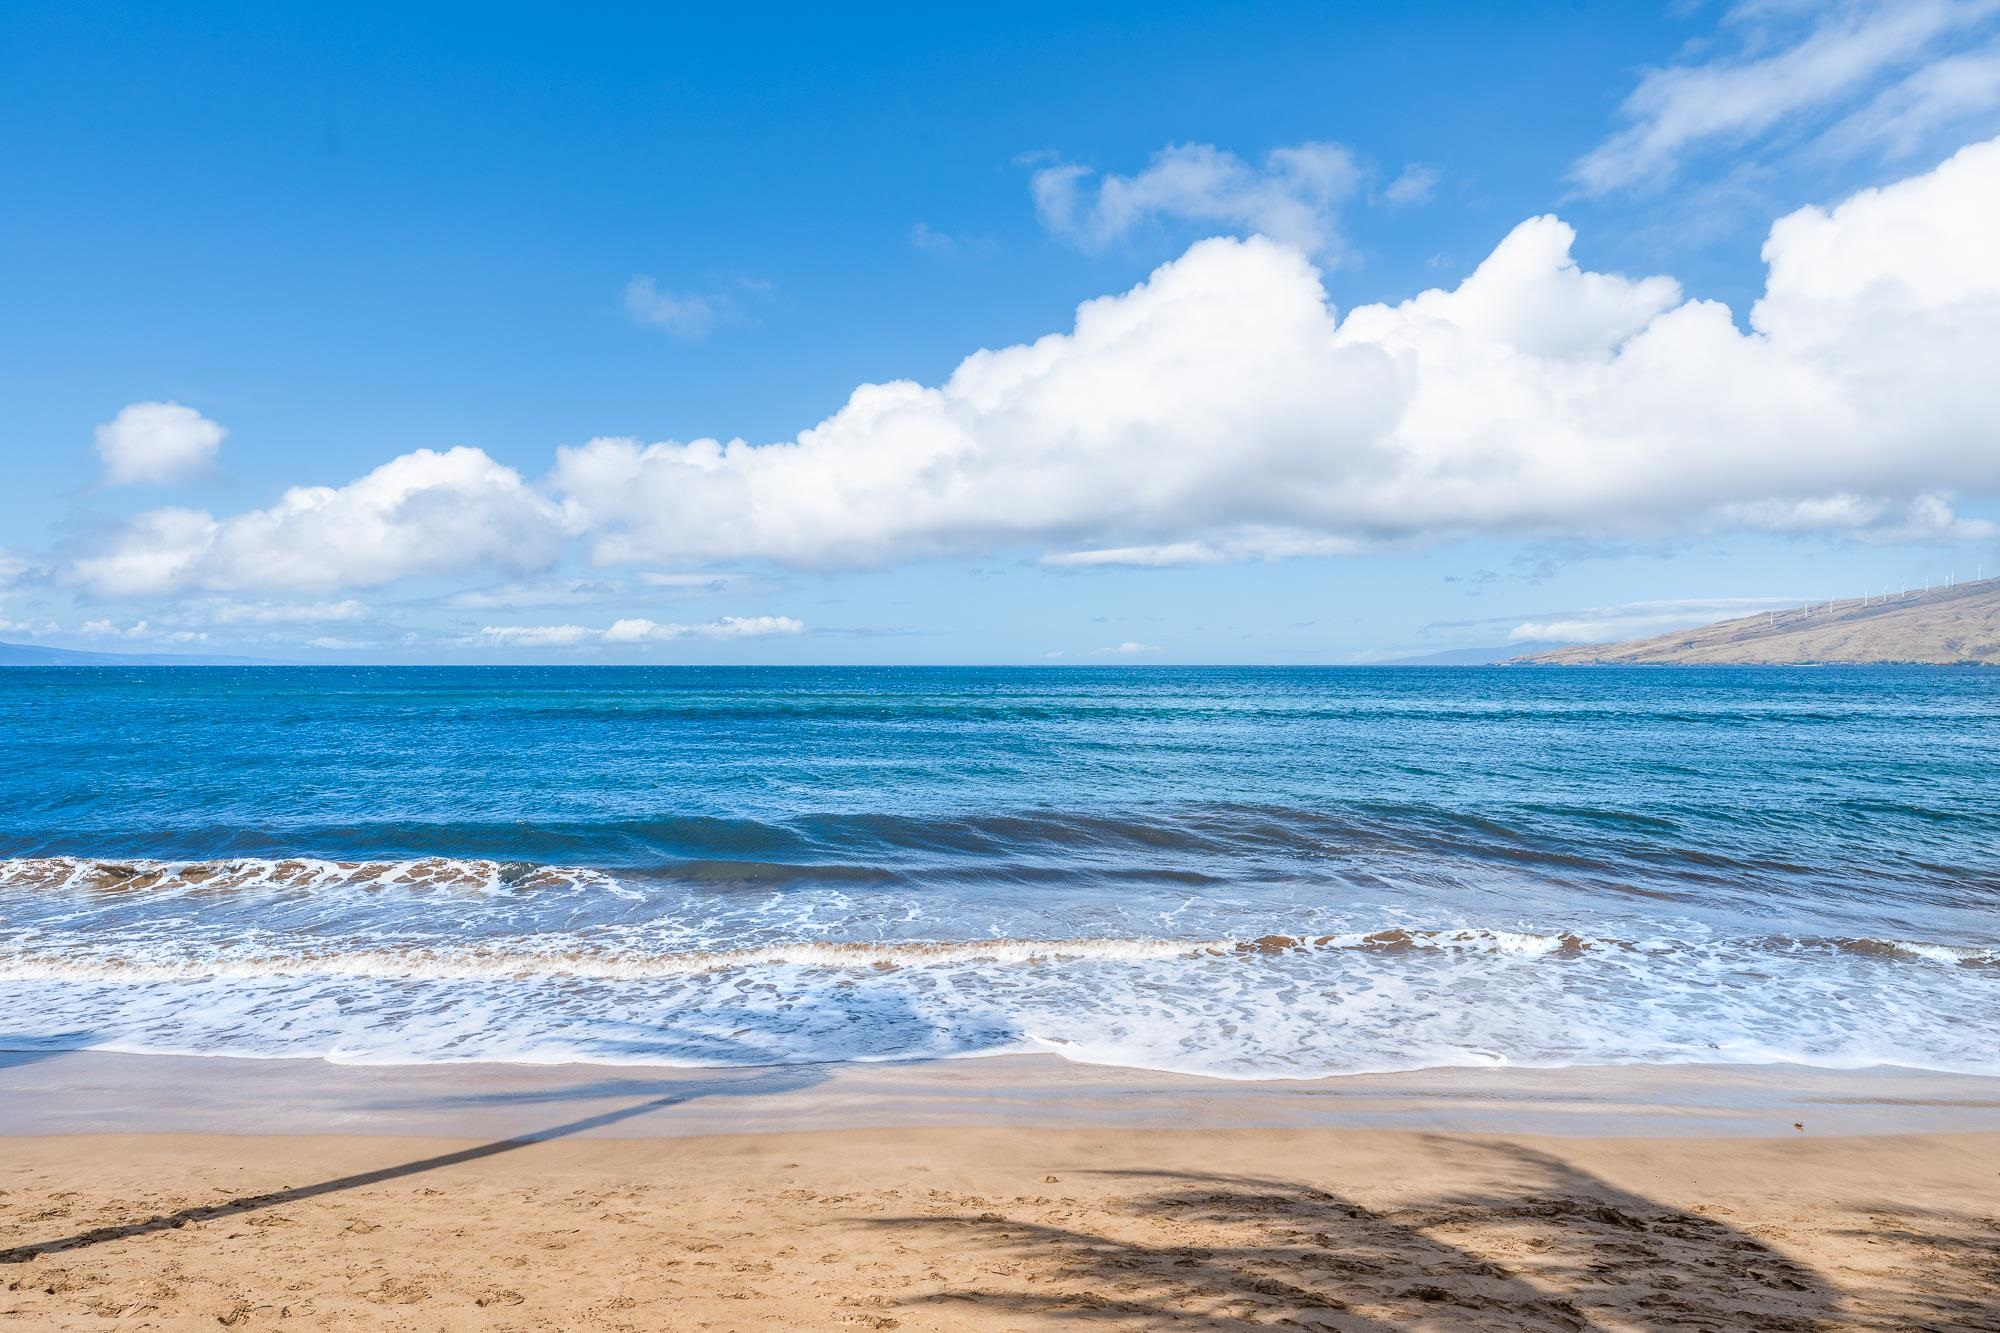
424, 512
1221, 409
33, 627
1791, 62
157, 442
635, 630
1197, 396
1292, 198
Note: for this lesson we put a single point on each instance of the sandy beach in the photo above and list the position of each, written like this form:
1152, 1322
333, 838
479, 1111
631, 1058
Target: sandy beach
1004, 1194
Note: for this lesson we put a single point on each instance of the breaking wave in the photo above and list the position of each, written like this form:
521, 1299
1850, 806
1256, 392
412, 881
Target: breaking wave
565, 958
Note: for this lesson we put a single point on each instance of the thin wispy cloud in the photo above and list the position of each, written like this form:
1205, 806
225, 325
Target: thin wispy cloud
569, 590
15, 569
690, 315
1413, 185
689, 584
1173, 555
684, 314
282, 613
1902, 118
1293, 196
944, 245
926, 237
1882, 73
632, 631
527, 594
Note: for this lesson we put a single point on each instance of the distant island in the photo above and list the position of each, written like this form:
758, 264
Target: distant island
34, 654
1957, 625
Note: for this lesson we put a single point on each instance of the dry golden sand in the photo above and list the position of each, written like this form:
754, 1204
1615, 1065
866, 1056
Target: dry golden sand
1001, 1228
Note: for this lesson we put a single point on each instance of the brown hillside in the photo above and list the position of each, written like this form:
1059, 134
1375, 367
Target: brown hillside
1947, 626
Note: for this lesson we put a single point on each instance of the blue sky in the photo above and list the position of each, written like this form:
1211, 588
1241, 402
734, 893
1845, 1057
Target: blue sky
332, 239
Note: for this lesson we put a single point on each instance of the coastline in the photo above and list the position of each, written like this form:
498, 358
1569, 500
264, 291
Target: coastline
1008, 1193
92, 1092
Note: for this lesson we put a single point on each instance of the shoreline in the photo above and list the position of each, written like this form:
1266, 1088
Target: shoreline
93, 1092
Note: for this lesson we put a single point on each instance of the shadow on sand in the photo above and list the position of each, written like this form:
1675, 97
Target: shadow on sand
656, 1095
1546, 1247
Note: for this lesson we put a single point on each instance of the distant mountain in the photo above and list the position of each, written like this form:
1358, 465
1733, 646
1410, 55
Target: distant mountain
33, 654
1504, 652
1943, 626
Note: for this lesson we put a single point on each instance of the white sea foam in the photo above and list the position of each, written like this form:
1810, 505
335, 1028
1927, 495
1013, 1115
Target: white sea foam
522, 961
1270, 1007
473, 960
475, 875
567, 956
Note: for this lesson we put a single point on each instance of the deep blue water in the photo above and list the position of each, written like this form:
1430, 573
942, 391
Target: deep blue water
1236, 871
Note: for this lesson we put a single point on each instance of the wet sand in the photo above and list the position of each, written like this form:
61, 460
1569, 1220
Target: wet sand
1015, 1194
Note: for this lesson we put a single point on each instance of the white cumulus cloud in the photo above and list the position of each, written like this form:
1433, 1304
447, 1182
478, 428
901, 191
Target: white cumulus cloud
157, 442
423, 512
31, 626
143, 631
1223, 409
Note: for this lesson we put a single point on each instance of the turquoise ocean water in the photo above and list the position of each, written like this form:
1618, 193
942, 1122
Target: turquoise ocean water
1248, 873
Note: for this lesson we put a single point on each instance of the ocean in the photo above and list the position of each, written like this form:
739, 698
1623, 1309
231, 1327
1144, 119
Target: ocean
1244, 873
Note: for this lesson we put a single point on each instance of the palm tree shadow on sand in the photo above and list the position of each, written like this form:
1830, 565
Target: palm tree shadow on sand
1551, 1247
652, 1095
656, 1095
896, 1022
